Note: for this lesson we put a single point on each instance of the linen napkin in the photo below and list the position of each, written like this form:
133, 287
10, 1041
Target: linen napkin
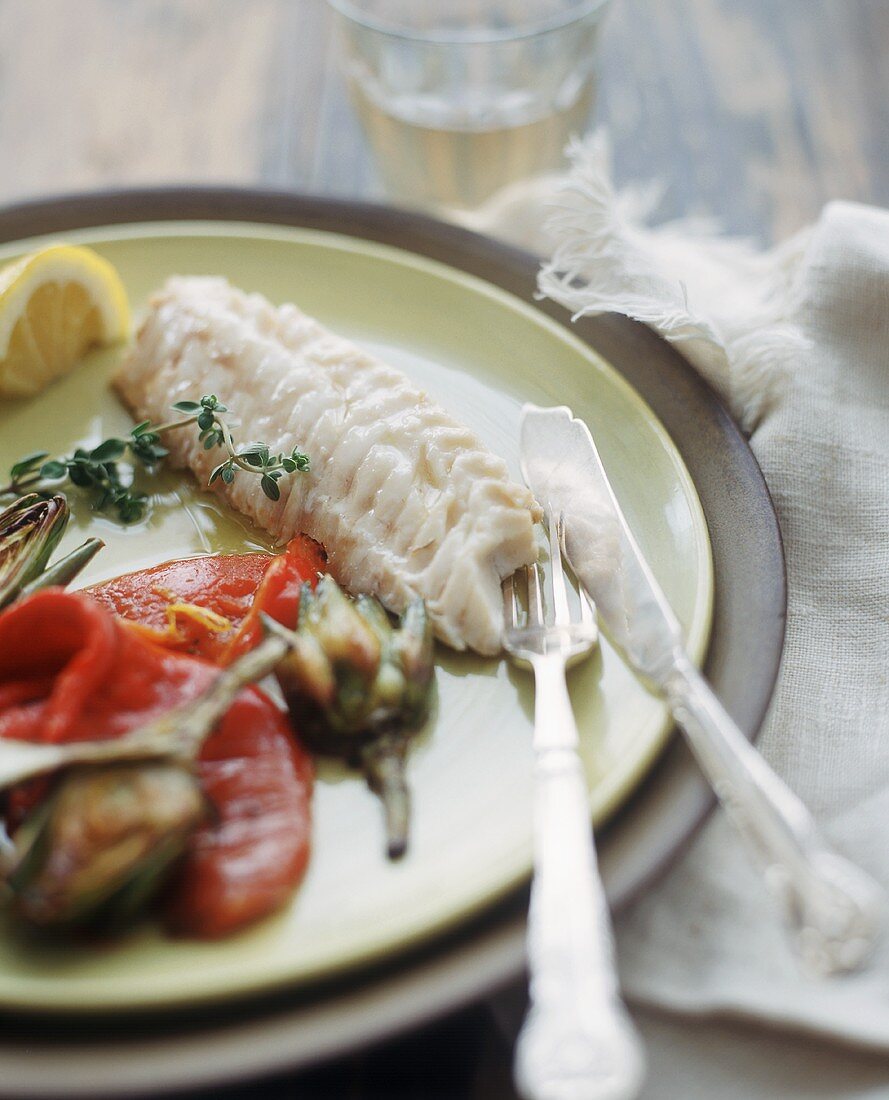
796, 340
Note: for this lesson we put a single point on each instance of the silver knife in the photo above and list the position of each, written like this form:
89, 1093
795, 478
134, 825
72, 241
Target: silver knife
832, 907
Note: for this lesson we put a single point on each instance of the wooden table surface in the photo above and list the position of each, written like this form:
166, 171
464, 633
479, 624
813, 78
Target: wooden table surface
754, 111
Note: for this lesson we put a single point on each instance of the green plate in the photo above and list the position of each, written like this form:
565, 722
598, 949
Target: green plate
481, 353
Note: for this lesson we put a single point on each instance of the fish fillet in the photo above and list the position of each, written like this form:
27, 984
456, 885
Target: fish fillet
406, 500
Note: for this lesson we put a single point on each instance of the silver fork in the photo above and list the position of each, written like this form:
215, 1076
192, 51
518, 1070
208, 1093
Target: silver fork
577, 1041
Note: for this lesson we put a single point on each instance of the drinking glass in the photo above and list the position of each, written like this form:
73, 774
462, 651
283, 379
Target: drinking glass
463, 100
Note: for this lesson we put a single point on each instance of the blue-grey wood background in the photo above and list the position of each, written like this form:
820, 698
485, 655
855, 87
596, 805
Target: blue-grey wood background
756, 111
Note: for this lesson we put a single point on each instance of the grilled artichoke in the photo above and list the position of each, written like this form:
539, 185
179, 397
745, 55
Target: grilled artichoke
358, 686
30, 530
100, 847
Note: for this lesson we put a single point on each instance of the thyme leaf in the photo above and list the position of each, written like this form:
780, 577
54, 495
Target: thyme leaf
108, 472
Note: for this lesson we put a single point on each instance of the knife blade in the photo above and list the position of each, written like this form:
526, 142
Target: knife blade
561, 466
833, 908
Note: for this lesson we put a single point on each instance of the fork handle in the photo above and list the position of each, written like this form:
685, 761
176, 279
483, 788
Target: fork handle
577, 1041
832, 907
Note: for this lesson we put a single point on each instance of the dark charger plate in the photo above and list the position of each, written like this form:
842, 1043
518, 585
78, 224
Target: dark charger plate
149, 1054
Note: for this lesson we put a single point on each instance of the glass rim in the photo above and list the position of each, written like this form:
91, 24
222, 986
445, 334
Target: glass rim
470, 36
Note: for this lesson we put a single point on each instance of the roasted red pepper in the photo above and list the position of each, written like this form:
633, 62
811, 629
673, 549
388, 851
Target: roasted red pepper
278, 593
69, 670
235, 587
246, 863
222, 583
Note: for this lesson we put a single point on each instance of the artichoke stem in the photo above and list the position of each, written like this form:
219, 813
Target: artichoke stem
383, 764
62, 572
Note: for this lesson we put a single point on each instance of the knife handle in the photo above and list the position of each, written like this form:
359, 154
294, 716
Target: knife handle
832, 907
577, 1041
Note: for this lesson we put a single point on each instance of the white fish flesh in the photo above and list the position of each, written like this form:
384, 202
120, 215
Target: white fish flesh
406, 500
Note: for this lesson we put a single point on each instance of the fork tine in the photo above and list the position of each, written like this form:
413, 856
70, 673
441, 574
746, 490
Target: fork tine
510, 606
535, 596
587, 612
560, 590
587, 608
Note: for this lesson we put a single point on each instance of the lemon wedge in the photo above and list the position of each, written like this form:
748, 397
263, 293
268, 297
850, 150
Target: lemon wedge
56, 304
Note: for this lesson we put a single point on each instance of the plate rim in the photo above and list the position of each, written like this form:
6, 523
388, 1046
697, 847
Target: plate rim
637, 354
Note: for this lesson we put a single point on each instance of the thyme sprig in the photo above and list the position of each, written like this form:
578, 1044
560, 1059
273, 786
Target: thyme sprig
108, 470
